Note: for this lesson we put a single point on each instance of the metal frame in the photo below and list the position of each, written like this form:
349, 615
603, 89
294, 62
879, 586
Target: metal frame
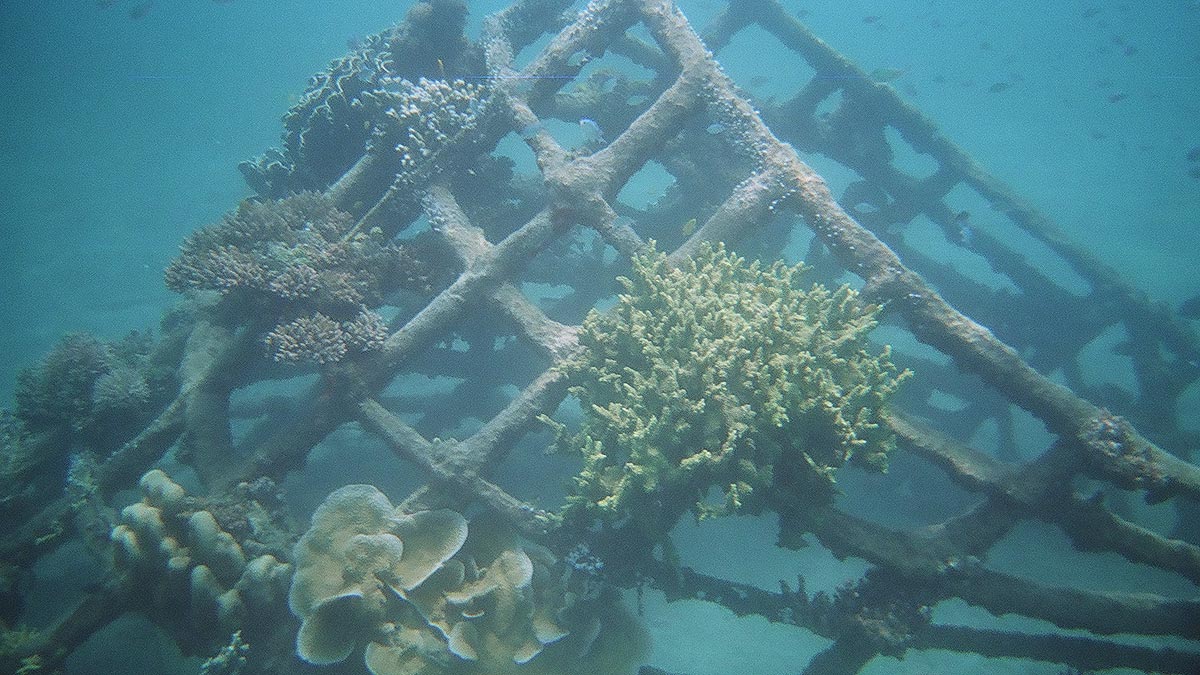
765, 184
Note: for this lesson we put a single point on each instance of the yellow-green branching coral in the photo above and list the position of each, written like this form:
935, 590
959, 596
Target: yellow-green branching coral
727, 374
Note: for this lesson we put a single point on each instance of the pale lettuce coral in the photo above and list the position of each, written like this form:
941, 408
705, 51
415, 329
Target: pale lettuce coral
723, 374
423, 598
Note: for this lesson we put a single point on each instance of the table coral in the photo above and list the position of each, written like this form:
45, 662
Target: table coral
299, 261
723, 374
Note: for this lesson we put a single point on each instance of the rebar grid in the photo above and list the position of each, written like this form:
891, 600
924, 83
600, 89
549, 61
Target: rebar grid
913, 569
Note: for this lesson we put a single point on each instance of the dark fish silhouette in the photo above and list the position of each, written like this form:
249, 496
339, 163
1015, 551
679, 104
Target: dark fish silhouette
1193, 155
1190, 309
887, 74
140, 10
999, 87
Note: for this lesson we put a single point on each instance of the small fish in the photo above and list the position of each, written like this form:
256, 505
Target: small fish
885, 75
985, 46
871, 19
578, 59
1190, 309
1117, 97
715, 128
1098, 135
1090, 12
1194, 172
966, 235
689, 228
591, 131
999, 87
140, 11
530, 130
1129, 50
1193, 155
442, 70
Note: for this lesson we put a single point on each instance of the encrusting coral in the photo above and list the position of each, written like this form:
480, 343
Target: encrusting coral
723, 374
424, 597
299, 262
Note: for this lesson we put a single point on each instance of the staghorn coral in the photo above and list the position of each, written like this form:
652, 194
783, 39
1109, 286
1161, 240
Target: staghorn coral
316, 338
418, 121
322, 340
230, 660
299, 261
722, 374
424, 596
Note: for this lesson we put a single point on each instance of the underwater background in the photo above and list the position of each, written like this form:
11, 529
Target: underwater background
124, 121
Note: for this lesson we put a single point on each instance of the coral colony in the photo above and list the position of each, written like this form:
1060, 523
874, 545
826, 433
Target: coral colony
677, 367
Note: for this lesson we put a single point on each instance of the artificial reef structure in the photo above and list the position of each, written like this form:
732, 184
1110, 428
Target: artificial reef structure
677, 366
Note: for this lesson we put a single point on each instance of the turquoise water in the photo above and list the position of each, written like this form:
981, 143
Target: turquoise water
123, 135
123, 124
